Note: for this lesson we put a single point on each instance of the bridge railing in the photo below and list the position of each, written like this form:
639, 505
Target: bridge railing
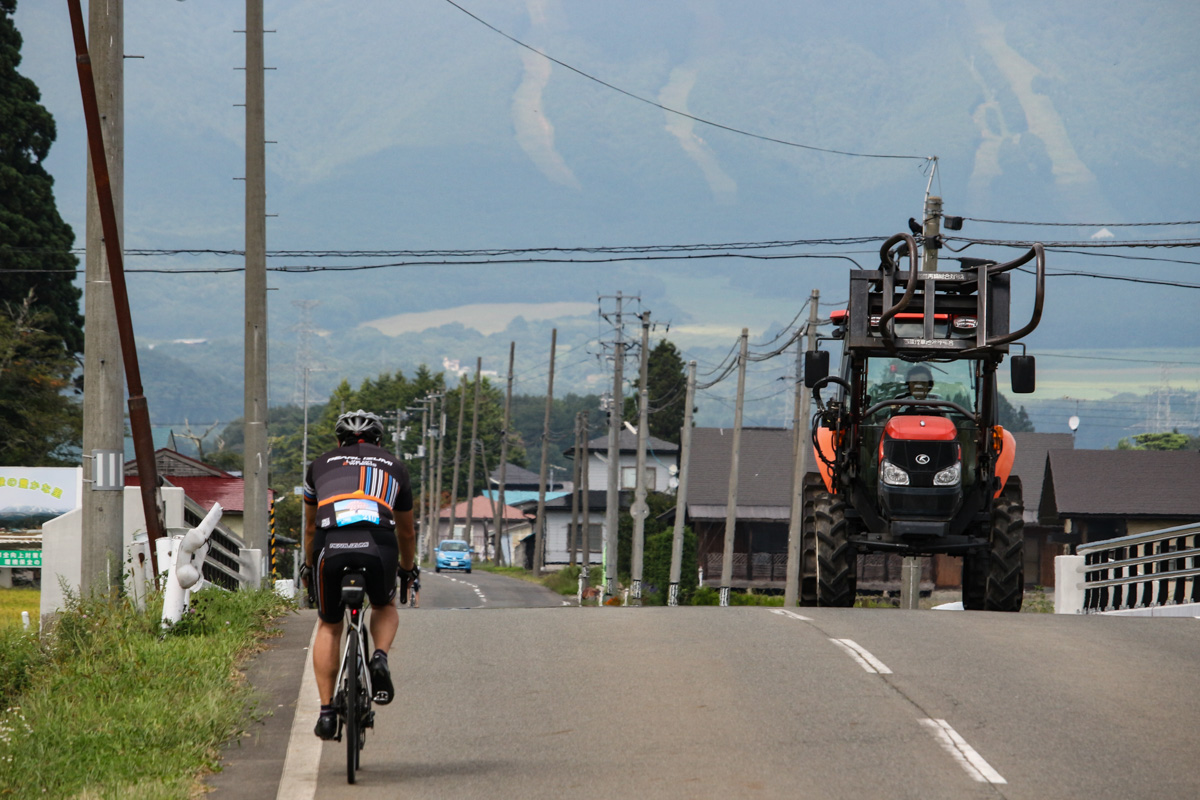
1152, 570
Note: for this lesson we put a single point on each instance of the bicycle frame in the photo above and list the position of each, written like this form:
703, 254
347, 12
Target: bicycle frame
354, 694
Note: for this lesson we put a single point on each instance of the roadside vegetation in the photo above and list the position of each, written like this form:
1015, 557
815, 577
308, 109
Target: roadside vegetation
105, 705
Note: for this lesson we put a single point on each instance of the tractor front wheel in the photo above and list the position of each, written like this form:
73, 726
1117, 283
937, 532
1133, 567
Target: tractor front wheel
837, 561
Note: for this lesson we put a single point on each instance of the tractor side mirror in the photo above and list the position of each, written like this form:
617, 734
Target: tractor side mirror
816, 367
1024, 377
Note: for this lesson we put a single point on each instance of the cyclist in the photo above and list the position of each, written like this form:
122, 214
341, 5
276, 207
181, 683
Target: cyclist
360, 513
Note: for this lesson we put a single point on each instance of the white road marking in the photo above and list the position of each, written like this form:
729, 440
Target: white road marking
784, 612
299, 779
962, 752
859, 653
475, 586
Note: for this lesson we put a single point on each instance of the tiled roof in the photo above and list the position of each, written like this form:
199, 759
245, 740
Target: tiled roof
1030, 464
627, 443
481, 508
764, 471
1126, 483
229, 492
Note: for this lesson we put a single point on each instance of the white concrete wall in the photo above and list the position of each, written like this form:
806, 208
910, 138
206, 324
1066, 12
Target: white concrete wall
62, 543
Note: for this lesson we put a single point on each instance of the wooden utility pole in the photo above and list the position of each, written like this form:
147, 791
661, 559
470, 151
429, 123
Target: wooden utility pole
735, 456
573, 539
800, 445
585, 501
470, 532
539, 531
685, 455
256, 529
437, 482
103, 371
639, 511
423, 509
462, 411
613, 509
500, 509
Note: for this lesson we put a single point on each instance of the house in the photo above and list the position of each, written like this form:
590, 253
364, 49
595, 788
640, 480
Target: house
203, 485
1041, 542
519, 479
556, 551
514, 524
1093, 495
764, 504
661, 456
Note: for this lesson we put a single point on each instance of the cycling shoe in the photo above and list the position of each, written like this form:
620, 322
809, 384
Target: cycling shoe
381, 679
326, 726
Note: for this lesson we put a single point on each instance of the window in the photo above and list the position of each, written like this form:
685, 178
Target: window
629, 478
595, 536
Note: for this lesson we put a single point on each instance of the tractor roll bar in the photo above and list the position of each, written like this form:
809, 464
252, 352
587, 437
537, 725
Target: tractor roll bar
1035, 251
885, 260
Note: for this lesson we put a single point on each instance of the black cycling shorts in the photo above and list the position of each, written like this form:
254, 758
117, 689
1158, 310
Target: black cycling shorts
373, 549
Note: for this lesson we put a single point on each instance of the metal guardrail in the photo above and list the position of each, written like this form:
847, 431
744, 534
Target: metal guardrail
1156, 568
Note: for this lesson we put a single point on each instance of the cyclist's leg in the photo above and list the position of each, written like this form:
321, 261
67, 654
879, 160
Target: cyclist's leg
326, 655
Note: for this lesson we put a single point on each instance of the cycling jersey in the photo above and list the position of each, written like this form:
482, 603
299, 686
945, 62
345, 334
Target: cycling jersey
360, 485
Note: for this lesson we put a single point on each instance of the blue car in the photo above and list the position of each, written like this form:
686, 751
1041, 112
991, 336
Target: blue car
452, 554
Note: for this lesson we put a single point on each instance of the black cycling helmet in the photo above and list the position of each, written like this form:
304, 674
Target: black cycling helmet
356, 426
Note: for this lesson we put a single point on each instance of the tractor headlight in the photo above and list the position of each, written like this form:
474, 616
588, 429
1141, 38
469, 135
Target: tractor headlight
950, 476
891, 474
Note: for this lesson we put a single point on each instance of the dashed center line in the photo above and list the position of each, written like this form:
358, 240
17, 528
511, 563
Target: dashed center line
865, 660
962, 752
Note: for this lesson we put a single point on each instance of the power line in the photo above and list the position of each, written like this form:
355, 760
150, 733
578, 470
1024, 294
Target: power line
684, 114
1084, 224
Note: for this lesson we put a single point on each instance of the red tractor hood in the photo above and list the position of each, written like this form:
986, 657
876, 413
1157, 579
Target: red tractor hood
920, 428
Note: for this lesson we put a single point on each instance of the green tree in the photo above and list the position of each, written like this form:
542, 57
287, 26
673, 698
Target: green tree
35, 243
666, 391
41, 423
1156, 441
1013, 420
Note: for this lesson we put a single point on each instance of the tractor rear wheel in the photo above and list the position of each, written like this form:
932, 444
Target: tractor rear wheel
837, 560
808, 540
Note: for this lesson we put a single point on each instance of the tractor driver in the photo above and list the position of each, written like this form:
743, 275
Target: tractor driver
920, 382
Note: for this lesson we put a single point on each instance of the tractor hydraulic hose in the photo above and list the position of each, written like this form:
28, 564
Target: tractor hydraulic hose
885, 260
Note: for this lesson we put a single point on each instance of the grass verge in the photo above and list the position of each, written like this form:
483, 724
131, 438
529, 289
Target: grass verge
107, 706
14, 601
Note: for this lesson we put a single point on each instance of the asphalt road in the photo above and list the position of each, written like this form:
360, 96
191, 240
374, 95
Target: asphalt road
507, 700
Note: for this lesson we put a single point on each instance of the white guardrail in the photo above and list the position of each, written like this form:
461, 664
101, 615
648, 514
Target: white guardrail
1156, 573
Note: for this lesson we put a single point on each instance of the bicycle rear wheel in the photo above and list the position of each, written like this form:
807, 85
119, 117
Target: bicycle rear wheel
352, 719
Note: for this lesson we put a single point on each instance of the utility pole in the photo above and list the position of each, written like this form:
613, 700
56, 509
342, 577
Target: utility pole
613, 506
462, 411
910, 566
500, 508
640, 510
103, 372
441, 464
424, 454
791, 591
471, 457
735, 455
585, 501
539, 531
685, 455
573, 542
613, 493
255, 519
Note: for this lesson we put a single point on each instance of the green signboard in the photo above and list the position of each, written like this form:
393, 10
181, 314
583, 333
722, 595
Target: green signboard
21, 558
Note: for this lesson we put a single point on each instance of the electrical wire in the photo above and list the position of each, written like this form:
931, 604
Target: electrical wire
1083, 224
677, 112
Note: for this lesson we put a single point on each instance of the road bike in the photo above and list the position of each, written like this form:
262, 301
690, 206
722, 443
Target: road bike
352, 700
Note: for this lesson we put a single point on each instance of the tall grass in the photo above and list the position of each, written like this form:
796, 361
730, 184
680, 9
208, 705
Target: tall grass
14, 601
107, 706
